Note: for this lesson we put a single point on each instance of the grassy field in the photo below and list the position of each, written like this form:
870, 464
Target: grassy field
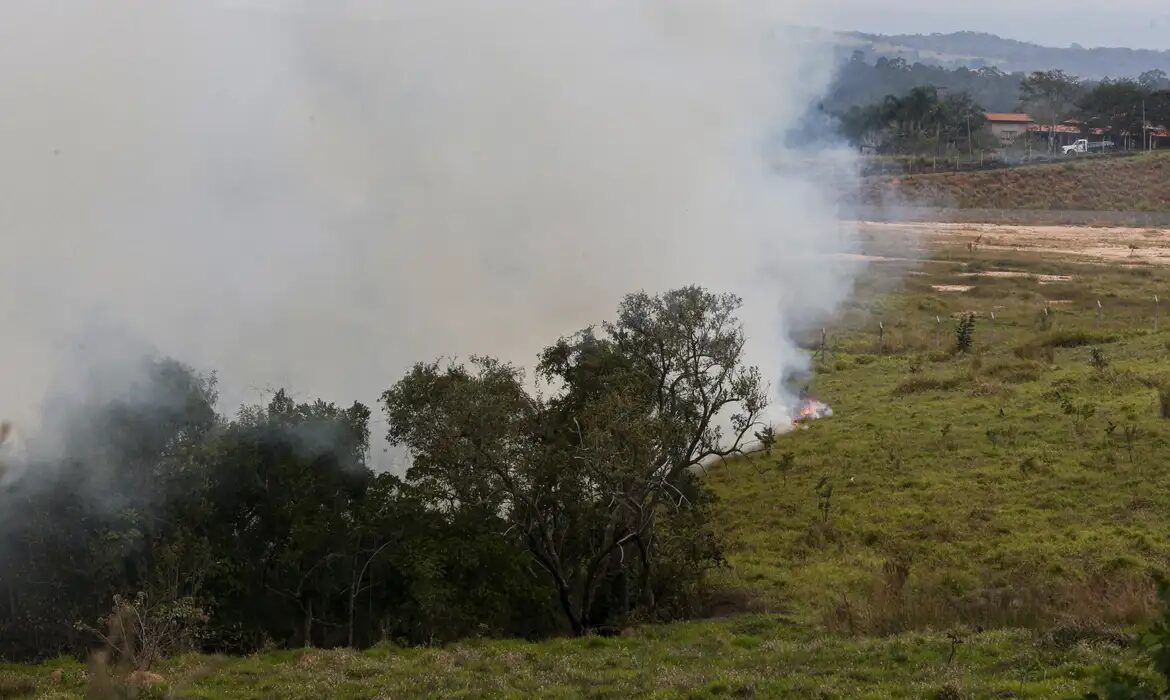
748, 656
993, 523
1140, 183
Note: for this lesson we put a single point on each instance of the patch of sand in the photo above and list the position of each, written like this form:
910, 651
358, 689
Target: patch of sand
1078, 243
1010, 274
952, 287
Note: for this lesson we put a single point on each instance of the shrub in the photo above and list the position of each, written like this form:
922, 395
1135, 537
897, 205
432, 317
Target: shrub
965, 333
138, 633
1005, 435
1044, 319
1098, 360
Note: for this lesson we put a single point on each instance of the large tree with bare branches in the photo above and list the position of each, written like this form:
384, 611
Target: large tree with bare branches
591, 474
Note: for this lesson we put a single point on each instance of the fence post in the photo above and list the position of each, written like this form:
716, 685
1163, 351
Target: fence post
992, 328
1157, 312
937, 332
1100, 312
881, 338
824, 352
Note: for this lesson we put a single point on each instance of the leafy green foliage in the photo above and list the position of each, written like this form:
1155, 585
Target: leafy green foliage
965, 333
586, 479
1050, 95
270, 523
919, 121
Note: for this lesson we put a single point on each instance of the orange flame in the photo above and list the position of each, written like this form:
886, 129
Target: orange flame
811, 409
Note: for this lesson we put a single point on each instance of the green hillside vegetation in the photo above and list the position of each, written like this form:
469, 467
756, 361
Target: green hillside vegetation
967, 524
987, 52
748, 656
1139, 183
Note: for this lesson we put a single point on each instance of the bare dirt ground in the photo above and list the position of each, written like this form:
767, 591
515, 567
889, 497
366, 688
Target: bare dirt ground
1080, 243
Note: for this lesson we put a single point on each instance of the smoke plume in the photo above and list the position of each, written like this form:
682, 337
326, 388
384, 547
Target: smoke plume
315, 195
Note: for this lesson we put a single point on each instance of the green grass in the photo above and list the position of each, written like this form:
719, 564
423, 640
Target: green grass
1016, 487
748, 656
1015, 498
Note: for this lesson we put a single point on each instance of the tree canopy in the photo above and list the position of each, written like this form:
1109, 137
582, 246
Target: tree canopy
522, 512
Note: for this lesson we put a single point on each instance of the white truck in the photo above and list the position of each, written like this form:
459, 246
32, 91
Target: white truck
1083, 146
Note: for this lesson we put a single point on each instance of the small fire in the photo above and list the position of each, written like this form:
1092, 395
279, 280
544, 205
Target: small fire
810, 410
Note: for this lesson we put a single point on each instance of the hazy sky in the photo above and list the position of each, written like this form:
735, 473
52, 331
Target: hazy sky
1132, 23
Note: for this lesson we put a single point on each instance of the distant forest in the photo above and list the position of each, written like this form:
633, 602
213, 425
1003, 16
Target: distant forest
977, 50
860, 83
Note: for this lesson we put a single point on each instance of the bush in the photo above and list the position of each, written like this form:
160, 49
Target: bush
138, 633
965, 333
1098, 360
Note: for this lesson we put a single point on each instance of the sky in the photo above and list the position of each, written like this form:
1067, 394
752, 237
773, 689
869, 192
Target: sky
1128, 23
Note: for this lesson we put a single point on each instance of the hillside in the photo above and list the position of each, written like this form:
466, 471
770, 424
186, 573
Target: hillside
979, 50
1139, 183
994, 519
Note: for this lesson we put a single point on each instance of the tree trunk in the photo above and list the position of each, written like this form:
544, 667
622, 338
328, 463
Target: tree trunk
647, 583
309, 624
575, 622
352, 605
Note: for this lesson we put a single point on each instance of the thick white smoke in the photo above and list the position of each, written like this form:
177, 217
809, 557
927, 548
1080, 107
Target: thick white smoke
316, 195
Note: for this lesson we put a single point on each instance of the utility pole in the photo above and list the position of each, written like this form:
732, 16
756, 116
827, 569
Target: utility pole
970, 142
1145, 129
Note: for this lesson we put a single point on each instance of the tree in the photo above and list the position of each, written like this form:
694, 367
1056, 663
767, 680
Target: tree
1051, 94
863, 126
1116, 105
586, 478
1154, 80
1158, 108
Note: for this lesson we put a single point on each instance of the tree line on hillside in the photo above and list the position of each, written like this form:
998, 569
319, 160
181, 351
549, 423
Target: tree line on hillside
928, 119
859, 83
922, 121
977, 49
569, 509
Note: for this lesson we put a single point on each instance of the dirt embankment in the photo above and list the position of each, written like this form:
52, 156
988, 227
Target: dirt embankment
1137, 185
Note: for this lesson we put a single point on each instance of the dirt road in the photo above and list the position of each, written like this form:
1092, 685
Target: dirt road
1107, 245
